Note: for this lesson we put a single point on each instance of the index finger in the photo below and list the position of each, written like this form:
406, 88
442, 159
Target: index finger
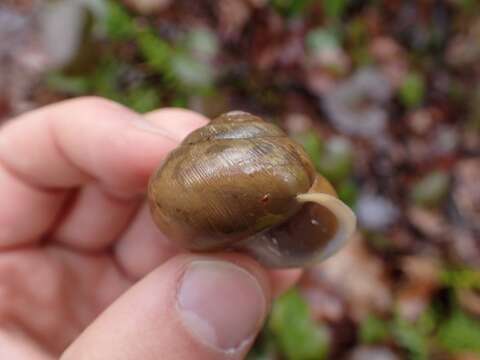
77, 141
48, 151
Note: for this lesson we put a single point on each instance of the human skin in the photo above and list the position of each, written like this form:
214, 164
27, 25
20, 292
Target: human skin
84, 273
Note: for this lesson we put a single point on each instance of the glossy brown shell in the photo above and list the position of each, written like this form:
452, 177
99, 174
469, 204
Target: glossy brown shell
228, 180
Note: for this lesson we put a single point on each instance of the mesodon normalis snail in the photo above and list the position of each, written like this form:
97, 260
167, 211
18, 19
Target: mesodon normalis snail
242, 183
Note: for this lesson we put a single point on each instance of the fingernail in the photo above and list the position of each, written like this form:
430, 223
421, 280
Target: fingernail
221, 304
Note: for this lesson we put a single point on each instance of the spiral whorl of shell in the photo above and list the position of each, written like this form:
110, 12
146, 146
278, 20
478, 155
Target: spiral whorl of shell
240, 181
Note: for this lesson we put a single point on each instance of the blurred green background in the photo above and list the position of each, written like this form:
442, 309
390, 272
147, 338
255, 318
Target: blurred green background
384, 96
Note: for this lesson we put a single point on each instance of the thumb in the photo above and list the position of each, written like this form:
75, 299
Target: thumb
192, 307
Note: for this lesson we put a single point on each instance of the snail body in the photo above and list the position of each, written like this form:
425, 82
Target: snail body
241, 183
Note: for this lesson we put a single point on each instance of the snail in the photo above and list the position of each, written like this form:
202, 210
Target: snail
241, 183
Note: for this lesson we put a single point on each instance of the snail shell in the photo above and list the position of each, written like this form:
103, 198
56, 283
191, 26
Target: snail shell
241, 183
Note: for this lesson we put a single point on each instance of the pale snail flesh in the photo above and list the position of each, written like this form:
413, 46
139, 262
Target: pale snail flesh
240, 183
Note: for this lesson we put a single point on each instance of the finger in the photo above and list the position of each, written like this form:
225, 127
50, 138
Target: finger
50, 294
177, 123
95, 220
282, 280
191, 307
142, 247
14, 345
73, 142
81, 141
98, 218
23, 210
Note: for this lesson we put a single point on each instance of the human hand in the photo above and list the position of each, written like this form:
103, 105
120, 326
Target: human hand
82, 266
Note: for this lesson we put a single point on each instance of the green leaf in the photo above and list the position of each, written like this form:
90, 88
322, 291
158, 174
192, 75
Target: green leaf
461, 278
467, 6
157, 52
190, 72
180, 100
143, 99
298, 335
290, 7
373, 330
427, 321
412, 90
264, 347
73, 85
334, 9
312, 143
336, 161
357, 35
105, 79
202, 42
347, 191
431, 189
460, 333
412, 338
119, 24
320, 39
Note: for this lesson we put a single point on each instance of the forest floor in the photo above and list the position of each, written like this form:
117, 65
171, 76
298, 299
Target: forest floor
384, 96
